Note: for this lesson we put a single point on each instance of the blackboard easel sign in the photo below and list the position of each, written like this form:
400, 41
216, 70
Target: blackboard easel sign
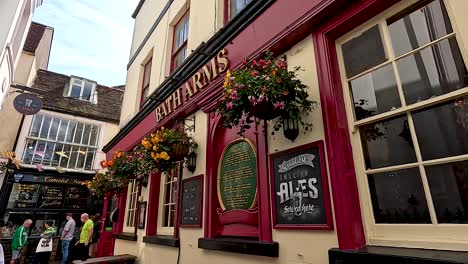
299, 188
192, 202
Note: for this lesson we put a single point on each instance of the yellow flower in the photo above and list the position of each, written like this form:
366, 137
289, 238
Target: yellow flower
155, 148
229, 91
228, 74
163, 155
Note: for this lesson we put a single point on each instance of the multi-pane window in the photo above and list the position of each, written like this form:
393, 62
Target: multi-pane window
408, 82
82, 90
146, 81
179, 49
132, 206
169, 188
59, 142
236, 6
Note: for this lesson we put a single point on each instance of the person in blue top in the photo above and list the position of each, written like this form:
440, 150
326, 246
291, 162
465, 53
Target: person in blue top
19, 240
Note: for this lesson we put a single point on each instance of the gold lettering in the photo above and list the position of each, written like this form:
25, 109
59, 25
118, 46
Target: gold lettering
169, 105
197, 84
158, 114
188, 89
206, 74
223, 62
214, 69
164, 110
176, 99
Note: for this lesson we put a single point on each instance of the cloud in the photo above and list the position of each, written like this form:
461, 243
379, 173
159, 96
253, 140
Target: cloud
92, 38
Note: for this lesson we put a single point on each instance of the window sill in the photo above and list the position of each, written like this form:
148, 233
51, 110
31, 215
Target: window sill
169, 241
126, 236
375, 254
242, 246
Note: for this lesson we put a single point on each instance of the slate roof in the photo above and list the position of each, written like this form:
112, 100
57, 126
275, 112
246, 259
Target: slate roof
36, 31
51, 85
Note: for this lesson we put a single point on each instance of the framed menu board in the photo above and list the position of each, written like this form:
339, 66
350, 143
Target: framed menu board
300, 195
52, 197
76, 197
192, 202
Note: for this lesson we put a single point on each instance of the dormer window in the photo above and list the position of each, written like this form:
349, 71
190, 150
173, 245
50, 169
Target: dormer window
82, 90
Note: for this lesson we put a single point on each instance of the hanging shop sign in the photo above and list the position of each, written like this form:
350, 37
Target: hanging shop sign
192, 202
206, 75
237, 176
27, 104
300, 189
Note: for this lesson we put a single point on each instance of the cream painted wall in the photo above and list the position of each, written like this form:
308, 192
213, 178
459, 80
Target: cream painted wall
25, 73
299, 246
15, 19
203, 23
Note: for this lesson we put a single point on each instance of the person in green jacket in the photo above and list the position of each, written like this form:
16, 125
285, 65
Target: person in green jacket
48, 234
19, 240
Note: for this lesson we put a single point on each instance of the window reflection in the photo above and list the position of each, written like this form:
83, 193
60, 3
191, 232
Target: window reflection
398, 197
433, 71
449, 189
375, 93
419, 28
444, 126
387, 143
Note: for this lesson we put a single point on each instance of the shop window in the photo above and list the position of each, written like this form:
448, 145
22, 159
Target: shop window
58, 142
410, 102
146, 82
179, 48
82, 90
169, 198
235, 7
132, 205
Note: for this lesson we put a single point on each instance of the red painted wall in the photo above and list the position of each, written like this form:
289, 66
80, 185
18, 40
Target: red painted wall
281, 26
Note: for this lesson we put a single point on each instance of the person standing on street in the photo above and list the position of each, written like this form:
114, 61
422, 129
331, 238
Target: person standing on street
85, 237
19, 240
43, 256
67, 236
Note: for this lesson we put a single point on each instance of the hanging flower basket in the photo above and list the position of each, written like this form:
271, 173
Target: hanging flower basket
162, 149
263, 88
264, 110
180, 150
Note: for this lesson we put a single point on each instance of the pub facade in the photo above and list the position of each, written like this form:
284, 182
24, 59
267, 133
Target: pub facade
379, 176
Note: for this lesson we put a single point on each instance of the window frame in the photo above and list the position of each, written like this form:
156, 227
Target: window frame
144, 87
164, 229
64, 142
93, 95
227, 10
132, 205
175, 51
383, 234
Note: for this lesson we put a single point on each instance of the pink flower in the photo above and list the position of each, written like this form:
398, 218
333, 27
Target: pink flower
261, 98
241, 86
281, 64
278, 105
229, 106
252, 100
234, 95
254, 73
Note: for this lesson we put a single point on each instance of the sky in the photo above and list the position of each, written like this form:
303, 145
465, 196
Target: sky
92, 38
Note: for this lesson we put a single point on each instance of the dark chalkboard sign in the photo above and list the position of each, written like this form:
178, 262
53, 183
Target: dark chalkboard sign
299, 188
76, 197
52, 198
192, 202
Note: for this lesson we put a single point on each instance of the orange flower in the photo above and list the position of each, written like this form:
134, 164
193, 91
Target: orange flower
119, 154
110, 163
285, 93
104, 164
